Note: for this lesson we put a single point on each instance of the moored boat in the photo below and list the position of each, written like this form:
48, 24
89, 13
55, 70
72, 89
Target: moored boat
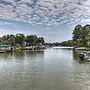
84, 56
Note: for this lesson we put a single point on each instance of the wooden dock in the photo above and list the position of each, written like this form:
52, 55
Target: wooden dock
82, 49
5, 48
4, 51
33, 48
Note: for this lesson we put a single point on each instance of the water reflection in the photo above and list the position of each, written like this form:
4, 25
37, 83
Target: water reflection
20, 55
5, 56
75, 55
51, 69
21, 71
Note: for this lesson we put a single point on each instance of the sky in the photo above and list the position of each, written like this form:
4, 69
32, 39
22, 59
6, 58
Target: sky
52, 19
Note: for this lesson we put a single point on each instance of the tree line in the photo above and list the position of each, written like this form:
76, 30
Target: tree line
67, 43
81, 37
20, 39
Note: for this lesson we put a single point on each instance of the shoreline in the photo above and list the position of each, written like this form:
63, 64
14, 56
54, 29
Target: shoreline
30, 48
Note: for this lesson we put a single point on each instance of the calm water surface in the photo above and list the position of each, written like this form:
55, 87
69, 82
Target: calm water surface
51, 69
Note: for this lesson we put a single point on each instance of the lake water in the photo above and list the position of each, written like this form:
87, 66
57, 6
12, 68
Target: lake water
51, 69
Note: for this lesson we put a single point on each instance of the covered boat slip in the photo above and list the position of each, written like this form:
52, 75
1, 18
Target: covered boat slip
84, 53
5, 48
84, 56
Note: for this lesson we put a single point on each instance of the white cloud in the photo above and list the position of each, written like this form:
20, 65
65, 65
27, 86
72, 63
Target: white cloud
6, 23
49, 12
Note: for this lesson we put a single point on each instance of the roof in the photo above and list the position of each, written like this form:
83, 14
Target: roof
5, 45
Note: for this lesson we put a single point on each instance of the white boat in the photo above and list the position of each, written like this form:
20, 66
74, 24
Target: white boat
87, 57
84, 56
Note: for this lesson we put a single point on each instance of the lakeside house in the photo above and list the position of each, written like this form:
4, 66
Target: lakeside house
5, 48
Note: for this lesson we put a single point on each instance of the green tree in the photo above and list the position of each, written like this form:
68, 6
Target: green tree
19, 39
31, 39
4, 39
77, 32
11, 39
40, 40
80, 35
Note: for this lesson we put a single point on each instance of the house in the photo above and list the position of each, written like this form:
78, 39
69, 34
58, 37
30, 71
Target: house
5, 48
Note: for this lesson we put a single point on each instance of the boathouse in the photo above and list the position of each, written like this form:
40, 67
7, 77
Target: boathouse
5, 47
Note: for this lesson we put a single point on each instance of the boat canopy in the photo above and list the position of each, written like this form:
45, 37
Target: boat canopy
5, 45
